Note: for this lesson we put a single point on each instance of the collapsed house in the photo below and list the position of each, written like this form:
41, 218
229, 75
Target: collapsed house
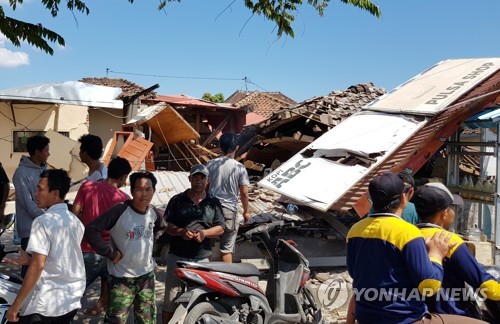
289, 130
401, 130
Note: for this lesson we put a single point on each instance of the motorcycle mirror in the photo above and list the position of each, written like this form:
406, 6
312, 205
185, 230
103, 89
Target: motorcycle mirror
8, 221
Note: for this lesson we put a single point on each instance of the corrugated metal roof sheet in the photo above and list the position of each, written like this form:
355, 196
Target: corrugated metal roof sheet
485, 119
170, 183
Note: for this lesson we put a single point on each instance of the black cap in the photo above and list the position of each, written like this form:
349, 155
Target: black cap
199, 168
384, 189
433, 197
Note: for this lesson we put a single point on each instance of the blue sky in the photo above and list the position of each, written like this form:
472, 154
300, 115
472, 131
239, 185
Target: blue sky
199, 39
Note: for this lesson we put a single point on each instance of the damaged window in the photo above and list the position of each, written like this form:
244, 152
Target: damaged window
345, 156
20, 138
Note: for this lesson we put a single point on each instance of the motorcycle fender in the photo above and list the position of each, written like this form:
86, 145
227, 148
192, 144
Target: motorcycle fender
185, 302
179, 314
257, 303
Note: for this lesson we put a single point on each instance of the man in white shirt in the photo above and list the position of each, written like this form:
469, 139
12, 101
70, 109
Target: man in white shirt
55, 280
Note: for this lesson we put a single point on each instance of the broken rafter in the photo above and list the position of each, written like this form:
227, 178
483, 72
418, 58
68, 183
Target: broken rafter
311, 118
279, 123
216, 131
193, 154
204, 149
183, 154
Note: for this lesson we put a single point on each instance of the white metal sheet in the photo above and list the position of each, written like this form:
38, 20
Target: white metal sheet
436, 88
69, 92
319, 182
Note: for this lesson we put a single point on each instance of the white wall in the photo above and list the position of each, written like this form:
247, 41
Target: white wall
38, 117
104, 123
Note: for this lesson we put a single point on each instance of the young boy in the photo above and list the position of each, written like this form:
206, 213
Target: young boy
132, 226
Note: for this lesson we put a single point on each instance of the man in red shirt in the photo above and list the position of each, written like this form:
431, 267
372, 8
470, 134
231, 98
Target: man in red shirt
93, 199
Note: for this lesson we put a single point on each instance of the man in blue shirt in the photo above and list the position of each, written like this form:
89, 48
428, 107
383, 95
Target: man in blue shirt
435, 206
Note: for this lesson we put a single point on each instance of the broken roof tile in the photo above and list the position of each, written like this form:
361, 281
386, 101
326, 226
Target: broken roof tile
262, 103
129, 89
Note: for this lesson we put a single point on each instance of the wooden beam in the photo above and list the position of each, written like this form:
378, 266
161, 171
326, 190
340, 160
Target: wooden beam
184, 155
193, 154
216, 131
276, 124
204, 149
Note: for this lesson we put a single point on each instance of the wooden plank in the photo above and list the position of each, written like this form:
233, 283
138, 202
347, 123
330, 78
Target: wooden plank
204, 149
193, 154
287, 143
278, 139
279, 123
183, 154
171, 127
205, 158
127, 138
216, 131
134, 151
134, 155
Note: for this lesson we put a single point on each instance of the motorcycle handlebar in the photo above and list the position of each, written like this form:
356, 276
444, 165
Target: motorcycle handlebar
261, 228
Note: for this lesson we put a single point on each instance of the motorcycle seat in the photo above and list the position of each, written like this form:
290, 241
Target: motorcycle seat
239, 269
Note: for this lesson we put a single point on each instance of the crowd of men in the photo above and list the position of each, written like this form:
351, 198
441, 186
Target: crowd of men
401, 247
109, 234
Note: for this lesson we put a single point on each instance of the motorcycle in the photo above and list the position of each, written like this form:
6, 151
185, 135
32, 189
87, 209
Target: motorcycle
9, 285
490, 312
223, 293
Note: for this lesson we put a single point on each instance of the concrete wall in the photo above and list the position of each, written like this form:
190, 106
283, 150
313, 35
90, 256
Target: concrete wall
104, 123
37, 117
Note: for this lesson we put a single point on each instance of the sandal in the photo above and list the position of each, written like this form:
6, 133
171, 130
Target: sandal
94, 311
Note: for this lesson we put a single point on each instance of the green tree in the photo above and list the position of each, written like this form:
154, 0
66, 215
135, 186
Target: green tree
218, 97
281, 12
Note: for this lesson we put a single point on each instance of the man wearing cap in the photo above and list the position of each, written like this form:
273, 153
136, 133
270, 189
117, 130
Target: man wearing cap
385, 253
193, 218
435, 205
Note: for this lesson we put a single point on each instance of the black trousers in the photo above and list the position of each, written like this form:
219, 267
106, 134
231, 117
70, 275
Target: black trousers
40, 319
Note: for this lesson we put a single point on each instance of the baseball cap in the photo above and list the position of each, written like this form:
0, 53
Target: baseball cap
199, 168
384, 189
433, 197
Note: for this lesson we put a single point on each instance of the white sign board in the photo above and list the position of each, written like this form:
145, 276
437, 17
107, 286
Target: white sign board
435, 89
319, 182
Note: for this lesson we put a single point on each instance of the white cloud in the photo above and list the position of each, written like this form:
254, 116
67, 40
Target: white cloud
4, 2
11, 59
